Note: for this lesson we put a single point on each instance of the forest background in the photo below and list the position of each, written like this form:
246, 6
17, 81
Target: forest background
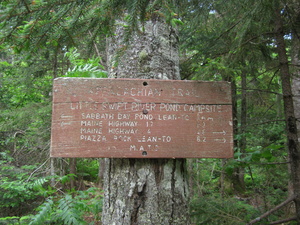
236, 41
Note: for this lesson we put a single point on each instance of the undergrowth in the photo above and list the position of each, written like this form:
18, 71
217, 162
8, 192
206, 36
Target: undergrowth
76, 208
215, 210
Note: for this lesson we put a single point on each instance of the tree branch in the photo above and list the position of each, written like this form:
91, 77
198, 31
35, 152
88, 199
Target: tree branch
260, 90
291, 198
265, 122
37, 170
284, 220
271, 163
26, 6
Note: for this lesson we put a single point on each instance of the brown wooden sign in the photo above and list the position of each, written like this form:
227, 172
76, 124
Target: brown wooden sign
131, 118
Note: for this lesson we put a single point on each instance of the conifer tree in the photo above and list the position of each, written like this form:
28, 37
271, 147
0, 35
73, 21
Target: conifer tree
145, 191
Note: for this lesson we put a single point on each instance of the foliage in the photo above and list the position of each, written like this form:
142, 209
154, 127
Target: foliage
70, 210
84, 68
88, 169
216, 210
22, 189
19, 188
81, 207
18, 90
54, 23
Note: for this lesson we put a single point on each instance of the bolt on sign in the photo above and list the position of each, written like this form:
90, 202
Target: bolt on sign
134, 118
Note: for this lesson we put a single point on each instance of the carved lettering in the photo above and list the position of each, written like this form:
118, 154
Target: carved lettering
155, 139
145, 92
122, 131
93, 138
135, 106
122, 123
143, 117
97, 116
91, 123
114, 106
123, 116
122, 138
143, 148
91, 130
173, 117
133, 92
202, 108
179, 92
169, 107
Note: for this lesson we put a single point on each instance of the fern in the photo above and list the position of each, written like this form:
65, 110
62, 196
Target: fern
69, 212
87, 70
84, 68
38, 184
44, 213
66, 211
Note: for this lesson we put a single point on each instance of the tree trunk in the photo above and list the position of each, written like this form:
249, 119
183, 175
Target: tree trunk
295, 69
72, 166
145, 191
239, 174
52, 172
101, 172
243, 140
233, 178
290, 119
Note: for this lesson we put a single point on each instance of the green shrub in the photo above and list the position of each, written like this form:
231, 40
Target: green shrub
215, 210
18, 189
70, 210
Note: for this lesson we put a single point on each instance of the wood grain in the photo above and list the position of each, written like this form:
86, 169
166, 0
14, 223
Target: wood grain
136, 118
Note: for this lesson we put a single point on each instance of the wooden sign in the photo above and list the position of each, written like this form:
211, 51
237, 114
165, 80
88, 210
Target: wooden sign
131, 118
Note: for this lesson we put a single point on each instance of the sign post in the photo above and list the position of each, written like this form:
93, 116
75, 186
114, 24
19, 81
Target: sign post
134, 118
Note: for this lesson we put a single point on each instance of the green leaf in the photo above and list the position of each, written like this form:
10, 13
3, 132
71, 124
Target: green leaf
176, 22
